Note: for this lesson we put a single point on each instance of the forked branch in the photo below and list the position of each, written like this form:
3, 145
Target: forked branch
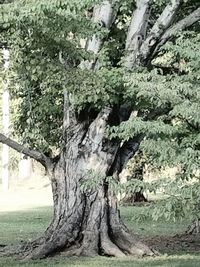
179, 26
161, 25
136, 32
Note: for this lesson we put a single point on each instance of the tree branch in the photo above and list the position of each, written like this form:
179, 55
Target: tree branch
179, 26
136, 32
103, 15
163, 22
40, 157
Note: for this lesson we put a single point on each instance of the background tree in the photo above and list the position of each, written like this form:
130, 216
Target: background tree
135, 169
102, 89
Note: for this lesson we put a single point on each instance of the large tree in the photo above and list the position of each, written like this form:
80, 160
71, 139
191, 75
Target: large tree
120, 40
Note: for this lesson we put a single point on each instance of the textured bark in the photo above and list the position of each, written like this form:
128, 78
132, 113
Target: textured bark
128, 150
179, 26
162, 24
103, 15
136, 33
141, 46
124, 239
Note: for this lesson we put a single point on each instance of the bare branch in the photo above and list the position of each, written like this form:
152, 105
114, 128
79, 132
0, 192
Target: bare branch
137, 31
40, 157
179, 26
163, 23
104, 15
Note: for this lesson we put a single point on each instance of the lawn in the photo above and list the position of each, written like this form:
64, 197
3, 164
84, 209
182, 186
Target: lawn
20, 225
24, 219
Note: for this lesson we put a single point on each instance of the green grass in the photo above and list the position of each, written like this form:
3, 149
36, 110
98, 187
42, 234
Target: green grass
179, 261
21, 225
148, 227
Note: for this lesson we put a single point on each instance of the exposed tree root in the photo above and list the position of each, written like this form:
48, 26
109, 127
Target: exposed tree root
122, 237
108, 247
101, 233
73, 252
21, 249
194, 228
16, 249
121, 244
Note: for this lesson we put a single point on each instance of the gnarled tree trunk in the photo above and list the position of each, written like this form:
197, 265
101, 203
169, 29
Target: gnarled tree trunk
86, 223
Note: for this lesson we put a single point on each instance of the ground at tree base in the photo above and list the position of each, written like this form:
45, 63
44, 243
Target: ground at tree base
176, 250
176, 244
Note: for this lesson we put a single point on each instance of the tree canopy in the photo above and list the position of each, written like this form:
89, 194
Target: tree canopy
132, 78
164, 92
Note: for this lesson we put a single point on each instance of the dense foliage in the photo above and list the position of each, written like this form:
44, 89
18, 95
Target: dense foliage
169, 97
165, 94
